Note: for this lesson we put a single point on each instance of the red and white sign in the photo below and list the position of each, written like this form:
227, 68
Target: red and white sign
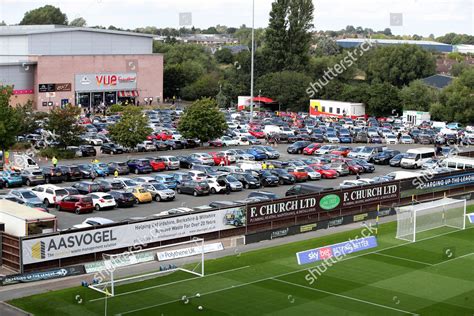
113, 80
106, 82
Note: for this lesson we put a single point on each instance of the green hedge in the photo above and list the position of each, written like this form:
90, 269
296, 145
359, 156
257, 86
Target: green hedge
58, 153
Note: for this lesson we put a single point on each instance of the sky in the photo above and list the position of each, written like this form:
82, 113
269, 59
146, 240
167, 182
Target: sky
422, 17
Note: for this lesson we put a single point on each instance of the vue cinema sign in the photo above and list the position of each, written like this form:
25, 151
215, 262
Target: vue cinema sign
106, 82
313, 204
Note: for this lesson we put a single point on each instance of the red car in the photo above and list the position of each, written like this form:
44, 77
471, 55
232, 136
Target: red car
216, 143
325, 172
311, 149
163, 135
300, 174
342, 151
258, 133
219, 158
157, 164
354, 168
76, 203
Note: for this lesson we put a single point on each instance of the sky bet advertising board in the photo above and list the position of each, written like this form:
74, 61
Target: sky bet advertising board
305, 205
336, 251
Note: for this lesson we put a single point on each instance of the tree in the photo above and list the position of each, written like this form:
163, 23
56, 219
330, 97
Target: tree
79, 22
29, 117
131, 129
203, 120
9, 120
458, 68
457, 98
224, 56
206, 86
288, 36
3, 23
384, 99
387, 31
63, 124
418, 96
399, 65
44, 15
288, 88
326, 47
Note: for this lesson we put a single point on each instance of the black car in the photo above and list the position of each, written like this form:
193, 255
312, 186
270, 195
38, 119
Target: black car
111, 148
121, 167
191, 143
107, 185
86, 187
86, 171
267, 179
383, 158
187, 162
87, 150
317, 138
283, 175
123, 199
174, 144
368, 167
52, 174
297, 148
194, 187
263, 195
71, 173
160, 145
248, 181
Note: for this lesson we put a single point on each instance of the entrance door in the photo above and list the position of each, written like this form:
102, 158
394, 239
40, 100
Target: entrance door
110, 98
97, 98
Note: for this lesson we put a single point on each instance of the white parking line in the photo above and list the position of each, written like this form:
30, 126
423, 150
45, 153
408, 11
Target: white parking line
345, 297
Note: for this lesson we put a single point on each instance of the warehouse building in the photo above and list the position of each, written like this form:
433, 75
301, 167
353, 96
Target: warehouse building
54, 65
428, 45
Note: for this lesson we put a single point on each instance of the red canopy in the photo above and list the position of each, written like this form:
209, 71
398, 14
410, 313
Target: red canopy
263, 100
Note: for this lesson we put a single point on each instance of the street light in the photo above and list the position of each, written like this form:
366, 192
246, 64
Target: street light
252, 60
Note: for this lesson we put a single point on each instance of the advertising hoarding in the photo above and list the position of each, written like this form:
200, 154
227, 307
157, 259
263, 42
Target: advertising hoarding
105, 239
126, 81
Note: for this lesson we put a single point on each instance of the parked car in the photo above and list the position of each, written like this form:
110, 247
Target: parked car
312, 174
311, 149
258, 154
368, 167
32, 177
300, 189
71, 173
204, 158
121, 167
159, 191
78, 204
396, 160
102, 200
168, 180
147, 145
107, 185
383, 158
139, 166
271, 152
50, 194
87, 151
172, 163
267, 179
406, 139
284, 177
86, 187
263, 195
194, 187
26, 195
157, 163
94, 222
299, 173
123, 199
235, 185
298, 147
141, 195
326, 172
247, 180
217, 186
53, 174
111, 148
187, 161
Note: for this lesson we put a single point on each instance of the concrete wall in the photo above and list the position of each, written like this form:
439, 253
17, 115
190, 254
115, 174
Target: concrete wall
13, 49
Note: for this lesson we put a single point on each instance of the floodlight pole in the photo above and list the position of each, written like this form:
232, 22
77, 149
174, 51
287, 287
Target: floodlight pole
252, 61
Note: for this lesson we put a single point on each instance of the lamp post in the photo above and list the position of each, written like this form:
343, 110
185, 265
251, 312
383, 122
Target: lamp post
252, 61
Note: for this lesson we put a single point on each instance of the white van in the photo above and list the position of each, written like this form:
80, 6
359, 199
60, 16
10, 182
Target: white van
458, 162
268, 129
417, 157
400, 175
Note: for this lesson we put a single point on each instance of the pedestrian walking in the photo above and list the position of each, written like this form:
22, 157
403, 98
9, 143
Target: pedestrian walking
54, 160
228, 189
116, 173
264, 165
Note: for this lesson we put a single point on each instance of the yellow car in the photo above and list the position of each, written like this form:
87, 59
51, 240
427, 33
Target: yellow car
141, 195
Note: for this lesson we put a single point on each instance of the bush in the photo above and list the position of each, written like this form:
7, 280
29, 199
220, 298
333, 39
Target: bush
21, 146
58, 153
115, 108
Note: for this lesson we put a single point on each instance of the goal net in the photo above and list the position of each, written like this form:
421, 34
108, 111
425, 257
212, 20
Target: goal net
187, 256
413, 219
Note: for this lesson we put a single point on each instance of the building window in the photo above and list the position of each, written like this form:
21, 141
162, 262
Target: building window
323, 109
338, 111
330, 109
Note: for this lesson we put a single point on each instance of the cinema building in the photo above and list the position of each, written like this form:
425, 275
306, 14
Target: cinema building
54, 65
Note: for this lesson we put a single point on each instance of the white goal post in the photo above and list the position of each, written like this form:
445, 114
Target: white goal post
187, 256
416, 218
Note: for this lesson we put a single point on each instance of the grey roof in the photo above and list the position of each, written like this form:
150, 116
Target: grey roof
41, 29
235, 49
390, 41
438, 81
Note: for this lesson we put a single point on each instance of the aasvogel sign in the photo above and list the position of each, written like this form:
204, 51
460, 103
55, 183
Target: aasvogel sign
295, 206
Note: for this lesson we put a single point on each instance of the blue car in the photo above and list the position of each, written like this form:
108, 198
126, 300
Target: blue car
257, 153
181, 177
168, 180
12, 178
101, 169
139, 166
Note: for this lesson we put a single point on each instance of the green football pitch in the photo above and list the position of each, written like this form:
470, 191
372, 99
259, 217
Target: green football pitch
433, 276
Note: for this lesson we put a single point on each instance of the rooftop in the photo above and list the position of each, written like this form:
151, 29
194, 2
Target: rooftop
389, 41
43, 29
438, 81
23, 212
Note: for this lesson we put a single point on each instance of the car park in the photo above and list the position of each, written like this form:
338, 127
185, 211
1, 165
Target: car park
86, 187
32, 177
123, 198
194, 187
